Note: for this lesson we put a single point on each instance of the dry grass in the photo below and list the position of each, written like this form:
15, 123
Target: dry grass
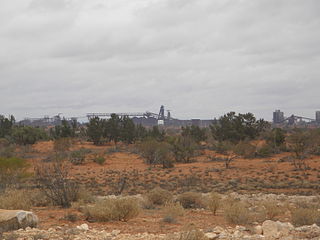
214, 202
172, 211
191, 200
15, 199
192, 233
305, 216
159, 196
237, 213
113, 209
272, 209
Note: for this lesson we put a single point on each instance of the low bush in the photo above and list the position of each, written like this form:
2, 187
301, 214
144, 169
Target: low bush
7, 151
24, 135
237, 213
191, 200
192, 234
223, 147
113, 209
55, 182
39, 199
155, 153
265, 151
99, 159
77, 157
159, 196
184, 148
62, 144
245, 150
13, 199
71, 217
214, 202
172, 211
11, 171
272, 209
305, 216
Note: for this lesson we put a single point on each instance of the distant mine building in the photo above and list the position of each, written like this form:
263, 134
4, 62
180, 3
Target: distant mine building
149, 119
318, 116
196, 122
278, 116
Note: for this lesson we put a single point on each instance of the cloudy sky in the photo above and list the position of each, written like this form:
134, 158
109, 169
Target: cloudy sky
199, 58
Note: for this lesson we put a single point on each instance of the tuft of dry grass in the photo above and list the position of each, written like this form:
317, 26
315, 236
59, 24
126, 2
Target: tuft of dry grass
305, 216
113, 209
13, 199
172, 210
214, 202
237, 213
159, 196
191, 200
192, 233
272, 209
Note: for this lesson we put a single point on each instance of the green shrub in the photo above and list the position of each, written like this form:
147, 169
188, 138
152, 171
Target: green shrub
184, 149
62, 144
245, 150
159, 196
99, 159
113, 209
7, 151
11, 171
77, 157
265, 151
191, 200
156, 152
24, 135
223, 147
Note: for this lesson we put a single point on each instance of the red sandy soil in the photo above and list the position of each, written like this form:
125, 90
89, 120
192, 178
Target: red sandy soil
242, 170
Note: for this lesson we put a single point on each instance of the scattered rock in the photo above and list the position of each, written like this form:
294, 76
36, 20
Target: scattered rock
83, 227
277, 229
211, 235
16, 219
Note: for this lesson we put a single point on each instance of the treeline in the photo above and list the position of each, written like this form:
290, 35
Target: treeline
231, 133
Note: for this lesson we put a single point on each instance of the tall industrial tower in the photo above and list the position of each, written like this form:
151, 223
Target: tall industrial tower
278, 116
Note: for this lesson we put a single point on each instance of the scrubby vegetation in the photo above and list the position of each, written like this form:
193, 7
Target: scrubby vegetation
113, 209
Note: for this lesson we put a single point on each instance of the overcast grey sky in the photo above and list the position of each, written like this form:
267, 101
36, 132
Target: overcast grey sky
199, 58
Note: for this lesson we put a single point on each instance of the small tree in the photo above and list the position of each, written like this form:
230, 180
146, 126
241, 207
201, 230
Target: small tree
299, 143
25, 135
127, 130
155, 133
235, 128
56, 183
156, 153
183, 149
113, 128
195, 132
64, 130
95, 130
6, 125
229, 159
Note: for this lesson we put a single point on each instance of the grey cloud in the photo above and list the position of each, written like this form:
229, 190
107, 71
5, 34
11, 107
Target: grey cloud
200, 58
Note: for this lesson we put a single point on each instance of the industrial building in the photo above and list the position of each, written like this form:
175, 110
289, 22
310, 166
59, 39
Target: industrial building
318, 117
278, 116
149, 119
293, 120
